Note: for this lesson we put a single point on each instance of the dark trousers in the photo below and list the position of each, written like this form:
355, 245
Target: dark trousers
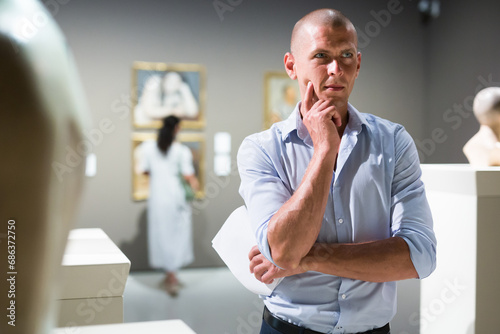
266, 329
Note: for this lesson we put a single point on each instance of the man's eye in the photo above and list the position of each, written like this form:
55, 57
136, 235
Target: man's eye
320, 55
347, 54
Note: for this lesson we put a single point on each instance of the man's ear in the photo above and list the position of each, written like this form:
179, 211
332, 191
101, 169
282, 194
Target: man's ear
359, 64
290, 66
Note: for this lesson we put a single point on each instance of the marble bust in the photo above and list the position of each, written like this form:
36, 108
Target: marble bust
483, 149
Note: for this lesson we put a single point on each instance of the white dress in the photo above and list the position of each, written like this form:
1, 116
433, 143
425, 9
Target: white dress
169, 215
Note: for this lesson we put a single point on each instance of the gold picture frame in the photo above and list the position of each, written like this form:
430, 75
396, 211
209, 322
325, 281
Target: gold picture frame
281, 94
140, 181
163, 89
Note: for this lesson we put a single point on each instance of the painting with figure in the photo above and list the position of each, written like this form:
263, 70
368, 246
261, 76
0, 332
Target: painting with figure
281, 96
140, 181
160, 90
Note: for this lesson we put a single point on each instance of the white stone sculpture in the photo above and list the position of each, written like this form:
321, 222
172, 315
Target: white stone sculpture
42, 116
483, 149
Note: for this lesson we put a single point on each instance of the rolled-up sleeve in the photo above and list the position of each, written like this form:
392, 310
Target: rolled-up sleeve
411, 214
262, 188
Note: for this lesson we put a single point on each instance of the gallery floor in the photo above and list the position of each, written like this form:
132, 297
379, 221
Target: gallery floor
212, 301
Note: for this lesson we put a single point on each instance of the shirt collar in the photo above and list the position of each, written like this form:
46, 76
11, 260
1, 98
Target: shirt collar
356, 120
291, 123
294, 122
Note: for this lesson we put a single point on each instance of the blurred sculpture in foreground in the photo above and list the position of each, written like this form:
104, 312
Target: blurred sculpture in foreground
42, 114
483, 149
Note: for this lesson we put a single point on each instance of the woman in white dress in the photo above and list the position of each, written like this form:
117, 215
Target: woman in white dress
169, 213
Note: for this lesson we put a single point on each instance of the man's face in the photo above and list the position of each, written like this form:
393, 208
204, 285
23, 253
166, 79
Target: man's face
328, 58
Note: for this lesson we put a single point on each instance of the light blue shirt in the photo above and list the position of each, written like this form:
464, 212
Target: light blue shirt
375, 193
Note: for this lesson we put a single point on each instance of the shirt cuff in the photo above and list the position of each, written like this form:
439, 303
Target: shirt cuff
264, 245
422, 254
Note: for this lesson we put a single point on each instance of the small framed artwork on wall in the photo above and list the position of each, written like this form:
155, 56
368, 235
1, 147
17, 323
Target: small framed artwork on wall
280, 97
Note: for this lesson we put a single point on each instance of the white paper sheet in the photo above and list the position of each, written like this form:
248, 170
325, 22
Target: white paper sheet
233, 243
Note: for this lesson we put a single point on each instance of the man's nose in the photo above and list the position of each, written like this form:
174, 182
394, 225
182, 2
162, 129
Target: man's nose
334, 68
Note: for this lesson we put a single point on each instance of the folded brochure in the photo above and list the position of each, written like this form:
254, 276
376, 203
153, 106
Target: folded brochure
233, 243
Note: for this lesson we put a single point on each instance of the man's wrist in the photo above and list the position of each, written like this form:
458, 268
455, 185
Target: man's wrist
326, 154
319, 253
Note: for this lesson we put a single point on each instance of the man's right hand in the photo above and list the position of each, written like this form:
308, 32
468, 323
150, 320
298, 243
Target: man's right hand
321, 119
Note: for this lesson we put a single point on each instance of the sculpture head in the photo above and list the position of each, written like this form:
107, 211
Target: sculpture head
487, 106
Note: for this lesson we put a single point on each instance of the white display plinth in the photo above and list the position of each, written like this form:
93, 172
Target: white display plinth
89, 311
462, 295
152, 327
94, 273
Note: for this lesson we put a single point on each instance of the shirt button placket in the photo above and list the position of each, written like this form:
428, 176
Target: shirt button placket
340, 329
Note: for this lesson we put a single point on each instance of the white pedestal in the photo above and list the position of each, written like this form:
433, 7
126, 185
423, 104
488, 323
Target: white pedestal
152, 327
89, 311
462, 295
94, 273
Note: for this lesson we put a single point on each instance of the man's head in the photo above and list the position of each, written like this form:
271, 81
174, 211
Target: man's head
323, 50
487, 106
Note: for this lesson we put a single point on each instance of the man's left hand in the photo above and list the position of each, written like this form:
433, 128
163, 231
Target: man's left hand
264, 270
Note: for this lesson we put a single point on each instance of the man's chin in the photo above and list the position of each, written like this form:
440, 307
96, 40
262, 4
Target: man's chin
334, 99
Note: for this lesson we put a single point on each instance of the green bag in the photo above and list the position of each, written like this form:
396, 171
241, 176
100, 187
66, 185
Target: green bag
188, 191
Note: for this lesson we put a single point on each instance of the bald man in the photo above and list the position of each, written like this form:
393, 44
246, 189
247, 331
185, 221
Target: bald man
483, 149
334, 197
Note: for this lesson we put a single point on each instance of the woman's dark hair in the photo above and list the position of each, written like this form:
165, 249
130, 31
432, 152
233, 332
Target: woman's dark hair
166, 134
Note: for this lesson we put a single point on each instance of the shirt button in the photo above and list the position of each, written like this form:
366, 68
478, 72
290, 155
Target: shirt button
343, 296
341, 221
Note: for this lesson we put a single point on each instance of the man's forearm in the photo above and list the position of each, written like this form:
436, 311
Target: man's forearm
377, 261
295, 227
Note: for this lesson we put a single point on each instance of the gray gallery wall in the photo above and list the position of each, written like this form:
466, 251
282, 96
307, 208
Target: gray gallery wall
237, 48
411, 73
462, 56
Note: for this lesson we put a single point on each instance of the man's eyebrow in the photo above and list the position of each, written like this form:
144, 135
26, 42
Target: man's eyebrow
319, 50
349, 48
340, 50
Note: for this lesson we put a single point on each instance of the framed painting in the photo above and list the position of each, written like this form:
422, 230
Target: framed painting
160, 90
140, 181
280, 97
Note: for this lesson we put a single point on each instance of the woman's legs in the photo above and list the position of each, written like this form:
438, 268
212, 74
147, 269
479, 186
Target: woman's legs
172, 283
